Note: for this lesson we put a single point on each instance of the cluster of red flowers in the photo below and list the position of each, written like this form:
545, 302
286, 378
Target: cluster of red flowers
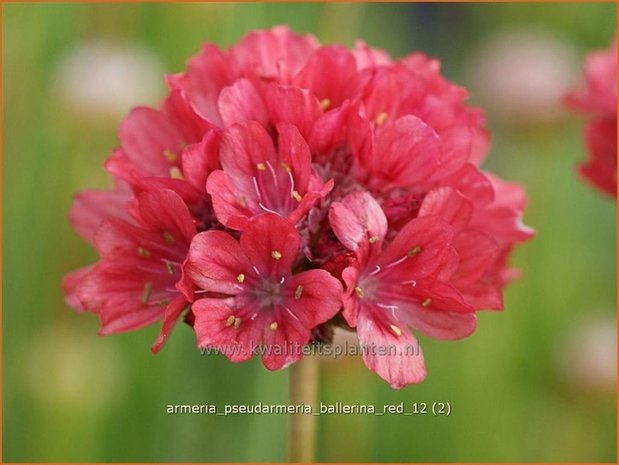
597, 98
284, 188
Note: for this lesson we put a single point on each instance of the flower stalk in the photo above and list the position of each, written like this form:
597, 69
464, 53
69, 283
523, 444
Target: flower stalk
302, 427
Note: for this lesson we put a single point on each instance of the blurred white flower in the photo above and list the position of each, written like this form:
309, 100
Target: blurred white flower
65, 368
587, 355
522, 76
101, 79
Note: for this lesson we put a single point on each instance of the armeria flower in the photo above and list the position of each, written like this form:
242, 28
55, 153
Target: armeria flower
398, 286
254, 295
278, 169
598, 98
133, 284
257, 179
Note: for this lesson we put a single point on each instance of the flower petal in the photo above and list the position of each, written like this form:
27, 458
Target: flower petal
397, 358
358, 220
271, 244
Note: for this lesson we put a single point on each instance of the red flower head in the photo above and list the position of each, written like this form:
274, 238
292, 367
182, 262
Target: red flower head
597, 97
279, 169
254, 296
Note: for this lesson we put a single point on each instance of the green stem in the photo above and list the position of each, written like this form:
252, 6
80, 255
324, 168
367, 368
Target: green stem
302, 426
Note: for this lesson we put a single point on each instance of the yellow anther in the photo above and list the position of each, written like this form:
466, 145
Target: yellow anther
261, 166
325, 103
297, 196
297, 293
170, 156
243, 201
359, 292
142, 252
273, 326
373, 239
237, 322
175, 173
276, 254
230, 320
414, 251
240, 278
397, 331
426, 303
381, 118
286, 167
148, 289
170, 267
168, 237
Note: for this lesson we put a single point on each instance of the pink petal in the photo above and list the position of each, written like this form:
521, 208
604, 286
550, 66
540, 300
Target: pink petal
427, 238
241, 102
70, 284
449, 204
231, 209
397, 359
314, 297
214, 262
328, 74
357, 220
164, 210
214, 329
172, 313
200, 159
145, 135
283, 345
406, 153
207, 74
293, 105
271, 244
264, 52
442, 325
91, 207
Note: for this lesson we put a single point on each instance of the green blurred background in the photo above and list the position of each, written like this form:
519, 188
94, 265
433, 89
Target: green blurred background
534, 383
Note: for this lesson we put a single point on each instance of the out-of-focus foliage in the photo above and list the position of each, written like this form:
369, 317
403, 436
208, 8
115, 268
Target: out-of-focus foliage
532, 384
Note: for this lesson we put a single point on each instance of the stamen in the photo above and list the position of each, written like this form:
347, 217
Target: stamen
290, 313
170, 156
230, 321
286, 167
168, 237
412, 281
297, 293
426, 303
380, 119
373, 239
273, 174
325, 103
396, 330
261, 166
282, 280
273, 326
255, 268
240, 278
170, 267
414, 251
297, 196
359, 292
175, 173
377, 270
148, 289
243, 201
237, 322
276, 254
396, 263
142, 252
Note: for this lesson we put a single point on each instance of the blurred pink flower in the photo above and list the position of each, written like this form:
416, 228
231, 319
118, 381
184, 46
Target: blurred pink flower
597, 97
